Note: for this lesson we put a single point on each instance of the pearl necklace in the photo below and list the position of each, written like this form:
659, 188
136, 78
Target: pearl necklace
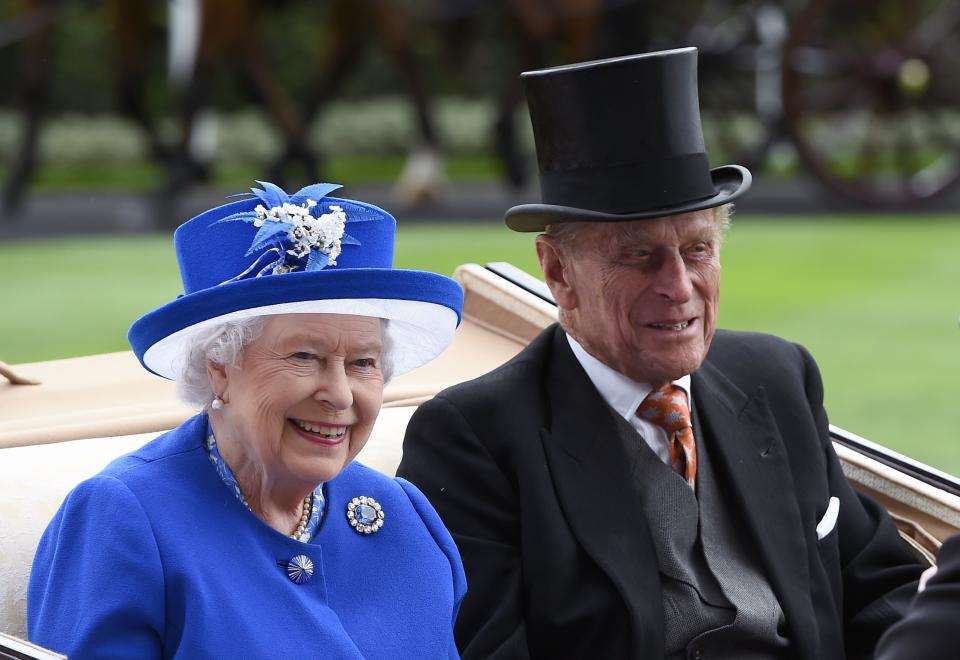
301, 529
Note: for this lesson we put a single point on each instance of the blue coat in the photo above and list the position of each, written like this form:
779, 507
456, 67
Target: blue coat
155, 558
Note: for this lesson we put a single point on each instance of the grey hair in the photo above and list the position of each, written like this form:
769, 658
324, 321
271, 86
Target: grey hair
565, 233
386, 356
224, 344
723, 216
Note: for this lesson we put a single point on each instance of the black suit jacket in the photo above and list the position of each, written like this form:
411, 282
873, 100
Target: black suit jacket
525, 467
931, 628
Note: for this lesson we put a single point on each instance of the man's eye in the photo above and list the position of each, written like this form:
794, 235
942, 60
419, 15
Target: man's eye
365, 363
302, 355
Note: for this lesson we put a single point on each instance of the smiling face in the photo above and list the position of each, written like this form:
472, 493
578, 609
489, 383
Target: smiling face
303, 400
641, 296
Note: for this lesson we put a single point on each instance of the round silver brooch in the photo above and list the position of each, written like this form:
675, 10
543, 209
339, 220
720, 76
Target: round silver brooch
365, 514
300, 569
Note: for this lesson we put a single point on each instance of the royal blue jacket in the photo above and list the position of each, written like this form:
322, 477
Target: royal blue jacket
155, 558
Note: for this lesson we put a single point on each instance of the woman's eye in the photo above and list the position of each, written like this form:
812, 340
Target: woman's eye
365, 363
302, 355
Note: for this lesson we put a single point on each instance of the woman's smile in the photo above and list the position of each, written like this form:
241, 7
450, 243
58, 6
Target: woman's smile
330, 435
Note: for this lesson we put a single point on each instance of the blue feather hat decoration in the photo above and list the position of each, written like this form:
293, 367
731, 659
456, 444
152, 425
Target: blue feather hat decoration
274, 253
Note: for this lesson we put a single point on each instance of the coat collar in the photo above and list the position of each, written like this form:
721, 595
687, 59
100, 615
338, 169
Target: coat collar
590, 468
745, 446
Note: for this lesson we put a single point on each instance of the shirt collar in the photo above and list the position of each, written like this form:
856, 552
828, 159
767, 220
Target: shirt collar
620, 392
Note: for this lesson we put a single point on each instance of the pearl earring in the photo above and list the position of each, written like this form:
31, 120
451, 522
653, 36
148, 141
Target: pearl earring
217, 403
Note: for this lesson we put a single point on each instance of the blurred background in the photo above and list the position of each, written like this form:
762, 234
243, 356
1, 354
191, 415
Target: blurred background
120, 119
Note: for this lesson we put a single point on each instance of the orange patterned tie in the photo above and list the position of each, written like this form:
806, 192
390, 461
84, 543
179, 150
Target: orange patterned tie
667, 408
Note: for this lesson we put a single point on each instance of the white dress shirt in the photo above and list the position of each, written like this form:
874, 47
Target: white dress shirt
625, 396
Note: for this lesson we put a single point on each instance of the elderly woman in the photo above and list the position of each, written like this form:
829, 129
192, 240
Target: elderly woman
249, 531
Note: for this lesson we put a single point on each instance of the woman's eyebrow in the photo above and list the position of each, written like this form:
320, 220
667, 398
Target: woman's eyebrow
296, 338
305, 341
370, 342
373, 344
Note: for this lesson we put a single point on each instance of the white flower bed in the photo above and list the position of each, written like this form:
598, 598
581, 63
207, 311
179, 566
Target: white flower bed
358, 127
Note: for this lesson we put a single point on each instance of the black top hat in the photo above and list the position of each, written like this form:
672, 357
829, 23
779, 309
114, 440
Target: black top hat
620, 139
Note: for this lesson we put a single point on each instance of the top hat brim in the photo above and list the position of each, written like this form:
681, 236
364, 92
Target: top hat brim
422, 310
729, 181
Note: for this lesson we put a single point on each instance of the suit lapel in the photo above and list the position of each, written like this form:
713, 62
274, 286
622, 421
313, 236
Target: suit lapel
591, 472
747, 451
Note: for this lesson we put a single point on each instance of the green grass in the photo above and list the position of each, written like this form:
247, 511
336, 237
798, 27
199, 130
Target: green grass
874, 300
143, 176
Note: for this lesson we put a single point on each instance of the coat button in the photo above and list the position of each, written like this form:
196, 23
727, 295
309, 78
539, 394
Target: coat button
299, 569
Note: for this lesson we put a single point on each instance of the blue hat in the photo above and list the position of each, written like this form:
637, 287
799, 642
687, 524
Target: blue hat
297, 254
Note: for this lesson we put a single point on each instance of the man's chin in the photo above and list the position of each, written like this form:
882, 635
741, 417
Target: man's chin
656, 374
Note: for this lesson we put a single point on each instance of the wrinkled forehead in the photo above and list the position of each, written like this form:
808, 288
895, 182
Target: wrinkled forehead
322, 329
673, 229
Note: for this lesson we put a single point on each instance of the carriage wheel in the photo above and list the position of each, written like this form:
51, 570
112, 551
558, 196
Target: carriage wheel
871, 97
740, 46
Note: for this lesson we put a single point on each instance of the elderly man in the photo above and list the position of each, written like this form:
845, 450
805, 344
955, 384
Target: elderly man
635, 484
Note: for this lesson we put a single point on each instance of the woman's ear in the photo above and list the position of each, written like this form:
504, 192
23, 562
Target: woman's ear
217, 373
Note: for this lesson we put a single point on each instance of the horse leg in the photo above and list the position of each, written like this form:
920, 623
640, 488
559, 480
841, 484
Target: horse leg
193, 44
515, 162
349, 37
277, 102
530, 40
37, 63
281, 108
130, 18
580, 28
422, 174
192, 98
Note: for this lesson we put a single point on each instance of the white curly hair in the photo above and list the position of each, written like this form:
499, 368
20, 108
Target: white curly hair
222, 344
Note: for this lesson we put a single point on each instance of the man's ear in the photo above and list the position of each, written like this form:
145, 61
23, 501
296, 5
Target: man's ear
217, 373
555, 265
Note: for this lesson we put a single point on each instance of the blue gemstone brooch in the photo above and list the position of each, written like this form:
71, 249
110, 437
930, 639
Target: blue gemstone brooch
365, 515
299, 569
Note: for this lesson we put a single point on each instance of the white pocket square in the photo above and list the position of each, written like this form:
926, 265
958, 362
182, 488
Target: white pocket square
925, 576
829, 520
